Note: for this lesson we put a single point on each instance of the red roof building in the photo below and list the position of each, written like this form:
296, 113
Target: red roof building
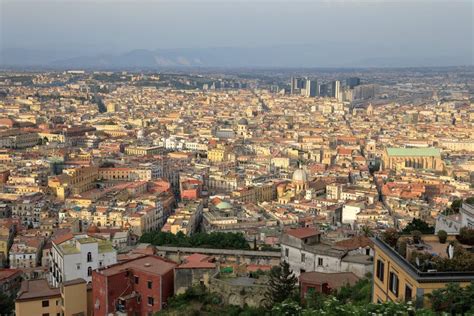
141, 285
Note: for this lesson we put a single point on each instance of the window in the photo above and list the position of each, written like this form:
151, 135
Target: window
303, 257
287, 251
78, 266
393, 283
45, 314
150, 300
89, 271
137, 279
408, 293
320, 261
367, 251
45, 303
380, 270
150, 284
89, 257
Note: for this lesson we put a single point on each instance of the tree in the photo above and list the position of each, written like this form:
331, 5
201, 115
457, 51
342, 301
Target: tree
7, 305
420, 225
390, 236
281, 285
367, 231
466, 236
453, 299
442, 236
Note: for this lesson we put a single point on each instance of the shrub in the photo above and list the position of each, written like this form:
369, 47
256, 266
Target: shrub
466, 236
442, 236
402, 247
390, 236
416, 236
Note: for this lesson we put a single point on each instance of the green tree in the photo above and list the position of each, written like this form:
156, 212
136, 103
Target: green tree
7, 304
281, 285
420, 225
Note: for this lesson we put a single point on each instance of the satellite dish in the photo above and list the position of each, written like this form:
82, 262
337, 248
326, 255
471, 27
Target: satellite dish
450, 251
417, 261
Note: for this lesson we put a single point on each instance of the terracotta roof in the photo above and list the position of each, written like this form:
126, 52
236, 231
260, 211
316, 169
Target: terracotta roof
334, 280
147, 263
62, 238
197, 261
7, 273
304, 232
355, 243
34, 289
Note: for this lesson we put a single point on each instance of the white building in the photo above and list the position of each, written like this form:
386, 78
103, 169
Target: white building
350, 211
77, 256
303, 250
453, 223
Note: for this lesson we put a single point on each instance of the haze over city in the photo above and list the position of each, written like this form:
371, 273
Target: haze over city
236, 33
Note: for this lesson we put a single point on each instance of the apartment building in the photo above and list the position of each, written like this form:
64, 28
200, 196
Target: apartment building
73, 257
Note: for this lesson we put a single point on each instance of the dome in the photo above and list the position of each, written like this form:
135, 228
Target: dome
93, 229
300, 176
243, 121
224, 205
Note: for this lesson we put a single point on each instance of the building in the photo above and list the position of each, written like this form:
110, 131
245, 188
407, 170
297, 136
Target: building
196, 269
37, 297
141, 285
73, 257
304, 250
396, 279
326, 283
453, 223
352, 82
311, 88
416, 158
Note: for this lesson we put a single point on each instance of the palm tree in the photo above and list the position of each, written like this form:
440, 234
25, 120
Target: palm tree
367, 231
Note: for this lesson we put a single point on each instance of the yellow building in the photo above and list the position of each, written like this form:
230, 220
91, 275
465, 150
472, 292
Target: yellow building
396, 279
36, 297
218, 154
73, 181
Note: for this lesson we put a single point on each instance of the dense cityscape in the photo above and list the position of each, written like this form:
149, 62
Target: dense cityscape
281, 192
236, 158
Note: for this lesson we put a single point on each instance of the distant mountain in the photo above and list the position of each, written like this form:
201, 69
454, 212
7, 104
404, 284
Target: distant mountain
313, 55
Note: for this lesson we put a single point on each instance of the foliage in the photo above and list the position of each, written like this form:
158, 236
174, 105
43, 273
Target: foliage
358, 293
7, 304
281, 285
466, 236
453, 299
461, 261
331, 306
390, 236
215, 240
367, 231
416, 236
442, 236
198, 301
470, 200
453, 208
420, 225
402, 247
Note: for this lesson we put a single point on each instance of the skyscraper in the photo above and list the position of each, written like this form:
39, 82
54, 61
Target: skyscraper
335, 88
352, 82
311, 88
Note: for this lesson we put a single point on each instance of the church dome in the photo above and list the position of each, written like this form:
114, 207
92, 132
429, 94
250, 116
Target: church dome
300, 176
243, 121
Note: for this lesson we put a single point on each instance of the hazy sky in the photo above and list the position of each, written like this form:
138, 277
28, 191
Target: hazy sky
415, 26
